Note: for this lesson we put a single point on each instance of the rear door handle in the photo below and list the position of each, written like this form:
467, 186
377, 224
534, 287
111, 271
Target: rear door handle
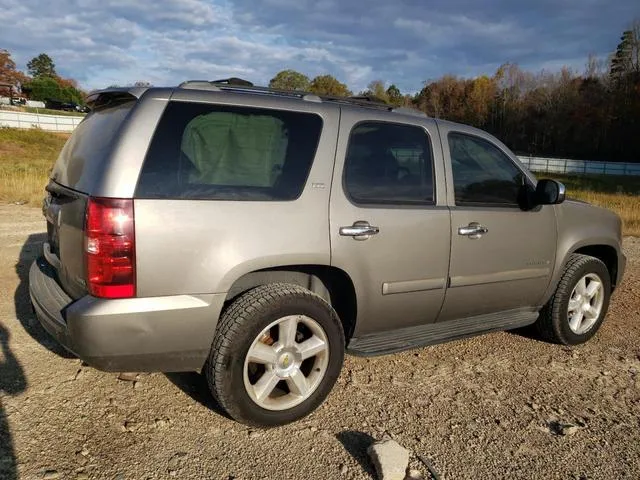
473, 230
359, 230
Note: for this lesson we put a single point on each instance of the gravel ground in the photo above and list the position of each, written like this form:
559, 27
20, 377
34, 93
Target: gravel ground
494, 406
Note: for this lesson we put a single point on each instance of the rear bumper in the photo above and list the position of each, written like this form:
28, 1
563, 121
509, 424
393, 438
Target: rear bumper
167, 334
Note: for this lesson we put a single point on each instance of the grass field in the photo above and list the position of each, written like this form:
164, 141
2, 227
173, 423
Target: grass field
618, 193
26, 157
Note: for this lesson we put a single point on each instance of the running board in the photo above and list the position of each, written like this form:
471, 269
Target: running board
392, 341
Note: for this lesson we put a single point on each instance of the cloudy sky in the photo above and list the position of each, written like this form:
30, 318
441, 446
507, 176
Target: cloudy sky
102, 42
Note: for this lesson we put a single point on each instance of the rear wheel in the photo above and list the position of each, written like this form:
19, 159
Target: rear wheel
277, 353
578, 307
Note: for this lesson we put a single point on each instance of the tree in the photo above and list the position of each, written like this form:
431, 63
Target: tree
290, 80
43, 88
394, 96
8, 73
41, 66
328, 85
626, 59
376, 90
142, 83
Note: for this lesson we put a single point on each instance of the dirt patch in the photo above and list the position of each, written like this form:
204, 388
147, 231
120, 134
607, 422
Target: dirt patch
498, 406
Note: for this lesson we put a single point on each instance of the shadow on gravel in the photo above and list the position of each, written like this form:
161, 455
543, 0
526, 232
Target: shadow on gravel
356, 443
12, 382
195, 385
31, 249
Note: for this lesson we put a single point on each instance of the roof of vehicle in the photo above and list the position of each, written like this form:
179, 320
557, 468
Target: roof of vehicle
239, 86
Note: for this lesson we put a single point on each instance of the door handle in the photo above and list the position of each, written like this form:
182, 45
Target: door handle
473, 230
359, 230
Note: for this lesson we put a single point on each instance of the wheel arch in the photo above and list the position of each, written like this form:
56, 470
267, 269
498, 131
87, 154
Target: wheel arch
330, 283
607, 255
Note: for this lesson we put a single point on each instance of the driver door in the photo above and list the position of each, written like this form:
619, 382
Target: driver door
501, 256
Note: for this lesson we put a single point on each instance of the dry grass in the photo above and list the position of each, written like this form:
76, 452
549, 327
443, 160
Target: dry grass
26, 158
617, 193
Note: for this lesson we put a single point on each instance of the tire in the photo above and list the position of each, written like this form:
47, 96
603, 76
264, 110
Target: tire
553, 324
242, 326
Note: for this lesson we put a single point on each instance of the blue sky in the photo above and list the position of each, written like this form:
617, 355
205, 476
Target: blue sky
102, 42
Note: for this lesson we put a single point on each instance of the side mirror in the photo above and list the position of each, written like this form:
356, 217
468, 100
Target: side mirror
549, 192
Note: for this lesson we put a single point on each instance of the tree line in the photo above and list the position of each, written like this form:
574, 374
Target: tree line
41, 83
593, 115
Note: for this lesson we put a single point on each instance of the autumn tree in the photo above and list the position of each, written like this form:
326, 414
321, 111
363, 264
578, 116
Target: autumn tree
41, 66
290, 80
376, 90
9, 75
330, 86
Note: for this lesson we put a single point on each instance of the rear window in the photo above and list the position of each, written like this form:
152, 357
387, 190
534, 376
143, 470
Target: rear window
202, 151
83, 155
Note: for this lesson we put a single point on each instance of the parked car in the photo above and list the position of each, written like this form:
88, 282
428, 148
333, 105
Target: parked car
255, 235
65, 106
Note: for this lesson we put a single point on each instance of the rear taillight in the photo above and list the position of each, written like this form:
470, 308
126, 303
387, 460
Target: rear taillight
109, 248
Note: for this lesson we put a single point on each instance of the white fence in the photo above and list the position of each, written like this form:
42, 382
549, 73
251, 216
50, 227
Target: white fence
562, 165
54, 123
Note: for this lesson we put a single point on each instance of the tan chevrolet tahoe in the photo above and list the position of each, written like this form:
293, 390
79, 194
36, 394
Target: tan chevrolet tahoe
256, 235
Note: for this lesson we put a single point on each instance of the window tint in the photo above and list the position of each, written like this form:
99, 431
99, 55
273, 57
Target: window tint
389, 163
482, 173
202, 151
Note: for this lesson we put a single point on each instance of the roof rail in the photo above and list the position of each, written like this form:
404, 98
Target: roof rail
244, 86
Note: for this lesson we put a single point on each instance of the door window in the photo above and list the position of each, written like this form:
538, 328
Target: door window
482, 173
389, 163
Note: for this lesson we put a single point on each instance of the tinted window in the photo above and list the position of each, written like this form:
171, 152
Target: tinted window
389, 163
482, 173
83, 155
202, 151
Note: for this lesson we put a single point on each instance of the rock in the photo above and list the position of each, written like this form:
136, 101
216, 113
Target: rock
137, 384
343, 469
253, 434
570, 429
390, 459
414, 475
82, 476
84, 452
78, 374
51, 475
160, 422
175, 462
128, 376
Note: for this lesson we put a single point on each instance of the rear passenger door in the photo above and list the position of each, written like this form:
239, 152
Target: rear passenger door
390, 227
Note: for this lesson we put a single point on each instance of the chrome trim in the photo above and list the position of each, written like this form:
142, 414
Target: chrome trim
562, 192
359, 229
473, 230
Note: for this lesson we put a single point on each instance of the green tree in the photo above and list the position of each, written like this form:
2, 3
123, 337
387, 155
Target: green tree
394, 95
290, 80
43, 88
626, 59
330, 86
41, 66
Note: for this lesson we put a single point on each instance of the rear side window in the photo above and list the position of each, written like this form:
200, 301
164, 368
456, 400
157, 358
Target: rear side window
218, 152
83, 155
389, 163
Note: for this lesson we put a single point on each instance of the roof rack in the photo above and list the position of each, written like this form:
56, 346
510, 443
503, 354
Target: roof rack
234, 84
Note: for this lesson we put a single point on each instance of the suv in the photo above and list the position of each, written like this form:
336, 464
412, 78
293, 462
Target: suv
255, 235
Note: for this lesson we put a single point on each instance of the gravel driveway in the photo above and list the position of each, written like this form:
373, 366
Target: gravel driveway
495, 406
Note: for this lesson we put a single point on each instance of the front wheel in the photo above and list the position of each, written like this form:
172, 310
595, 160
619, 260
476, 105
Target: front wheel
277, 353
578, 307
